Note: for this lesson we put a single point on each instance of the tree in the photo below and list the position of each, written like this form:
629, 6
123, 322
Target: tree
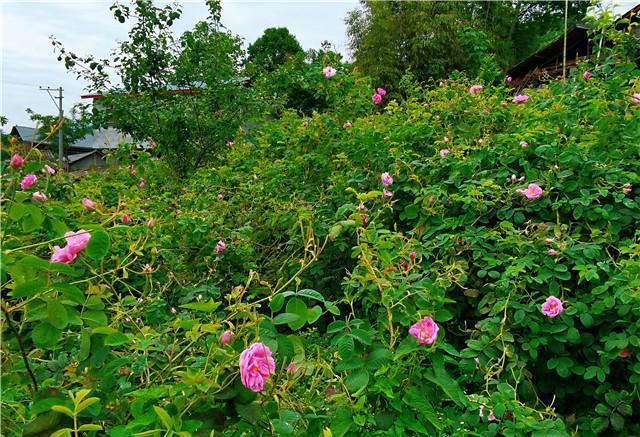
184, 94
73, 128
273, 48
430, 39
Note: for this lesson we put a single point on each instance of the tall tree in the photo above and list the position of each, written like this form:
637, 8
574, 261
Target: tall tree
430, 39
273, 48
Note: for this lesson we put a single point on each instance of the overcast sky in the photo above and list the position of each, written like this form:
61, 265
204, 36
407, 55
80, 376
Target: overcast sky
88, 27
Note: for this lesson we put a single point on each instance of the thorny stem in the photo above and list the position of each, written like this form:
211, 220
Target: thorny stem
22, 351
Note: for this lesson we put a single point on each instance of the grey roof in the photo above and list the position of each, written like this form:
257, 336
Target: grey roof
101, 139
79, 156
26, 133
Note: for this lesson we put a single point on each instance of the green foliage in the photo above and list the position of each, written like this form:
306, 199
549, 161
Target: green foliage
330, 274
272, 49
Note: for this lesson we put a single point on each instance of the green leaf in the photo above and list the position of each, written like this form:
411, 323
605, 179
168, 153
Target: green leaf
311, 294
57, 314
284, 318
378, 358
33, 218
85, 345
86, 404
362, 336
415, 399
62, 409
336, 326
95, 318
44, 335
277, 302
166, 420
298, 307
64, 432
282, 427
441, 378
346, 347
116, 339
206, 306
30, 288
90, 427
356, 380
313, 314
98, 245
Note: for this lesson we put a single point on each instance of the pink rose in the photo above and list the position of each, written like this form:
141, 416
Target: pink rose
363, 220
382, 91
387, 193
412, 255
445, 139
376, 98
152, 222
39, 196
125, 218
441, 84
444, 152
626, 188
77, 241
28, 180
329, 72
17, 161
173, 311
425, 331
520, 98
346, 125
361, 207
491, 417
524, 144
635, 98
586, 75
225, 337
291, 369
481, 411
386, 179
552, 252
88, 203
141, 184
552, 307
509, 79
49, 169
63, 255
533, 191
256, 365
475, 89
220, 247
305, 123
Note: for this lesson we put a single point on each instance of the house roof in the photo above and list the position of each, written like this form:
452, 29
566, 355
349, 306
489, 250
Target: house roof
79, 156
101, 139
577, 39
26, 133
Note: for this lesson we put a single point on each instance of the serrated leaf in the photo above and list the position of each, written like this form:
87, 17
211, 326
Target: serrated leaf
362, 336
346, 347
356, 380
29, 288
116, 339
44, 335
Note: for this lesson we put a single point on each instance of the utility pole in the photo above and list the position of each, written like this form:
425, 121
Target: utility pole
60, 120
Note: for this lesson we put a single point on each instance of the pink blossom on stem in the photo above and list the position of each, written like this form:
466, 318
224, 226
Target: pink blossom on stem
626, 188
382, 91
635, 98
63, 255
225, 337
39, 196
524, 144
445, 139
220, 247
256, 366
386, 179
520, 98
387, 193
552, 252
587, 75
49, 169
346, 125
376, 98
77, 241
125, 218
88, 203
305, 123
17, 161
491, 417
552, 307
412, 255
533, 191
509, 79
444, 152
475, 89
152, 222
425, 331
329, 72
28, 180
291, 369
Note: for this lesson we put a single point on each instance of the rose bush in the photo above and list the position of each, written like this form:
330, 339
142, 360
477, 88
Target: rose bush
324, 280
